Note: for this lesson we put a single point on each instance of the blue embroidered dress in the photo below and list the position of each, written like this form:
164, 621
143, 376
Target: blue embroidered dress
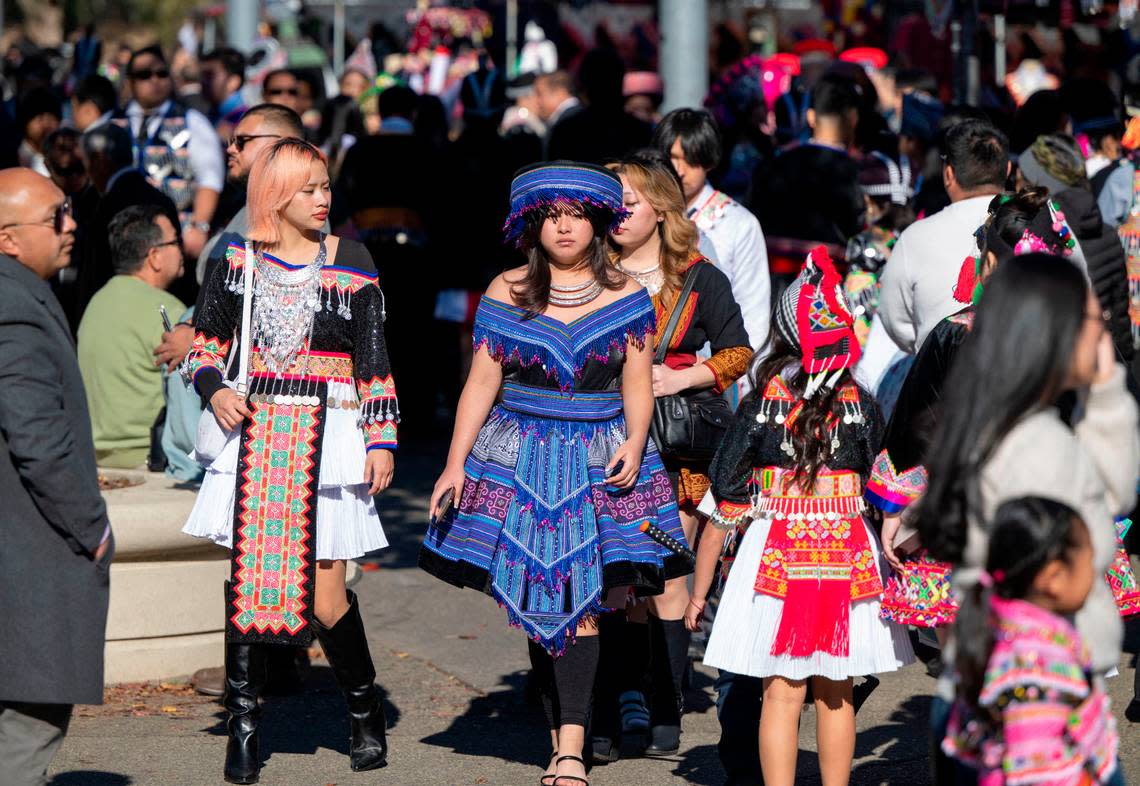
537, 527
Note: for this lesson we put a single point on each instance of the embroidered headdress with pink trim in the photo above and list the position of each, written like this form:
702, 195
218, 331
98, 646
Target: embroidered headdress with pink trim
1047, 232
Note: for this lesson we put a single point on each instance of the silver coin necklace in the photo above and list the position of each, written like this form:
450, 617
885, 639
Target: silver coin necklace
284, 305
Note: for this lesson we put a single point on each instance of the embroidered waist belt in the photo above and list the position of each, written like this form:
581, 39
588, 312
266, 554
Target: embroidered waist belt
835, 495
324, 366
556, 405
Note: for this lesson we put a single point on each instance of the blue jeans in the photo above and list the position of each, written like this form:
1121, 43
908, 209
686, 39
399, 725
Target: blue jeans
738, 709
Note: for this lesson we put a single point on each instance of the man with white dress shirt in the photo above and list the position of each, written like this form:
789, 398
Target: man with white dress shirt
917, 285
176, 147
691, 139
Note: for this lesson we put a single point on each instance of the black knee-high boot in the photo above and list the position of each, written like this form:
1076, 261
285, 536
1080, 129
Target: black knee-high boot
669, 643
346, 646
605, 720
245, 676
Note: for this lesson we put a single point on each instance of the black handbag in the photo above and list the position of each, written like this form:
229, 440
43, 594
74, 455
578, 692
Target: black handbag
687, 428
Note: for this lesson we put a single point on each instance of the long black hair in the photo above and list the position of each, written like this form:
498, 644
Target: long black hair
532, 291
1026, 534
810, 437
1015, 359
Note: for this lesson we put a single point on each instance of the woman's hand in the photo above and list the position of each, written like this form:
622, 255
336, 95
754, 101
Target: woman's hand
694, 614
667, 381
452, 478
379, 465
630, 457
229, 408
891, 525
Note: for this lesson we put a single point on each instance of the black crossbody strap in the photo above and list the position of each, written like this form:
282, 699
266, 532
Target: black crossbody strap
675, 316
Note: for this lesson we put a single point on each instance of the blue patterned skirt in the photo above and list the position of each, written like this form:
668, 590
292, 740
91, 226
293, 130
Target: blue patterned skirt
538, 528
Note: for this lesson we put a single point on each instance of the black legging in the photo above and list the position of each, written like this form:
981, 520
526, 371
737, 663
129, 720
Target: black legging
566, 683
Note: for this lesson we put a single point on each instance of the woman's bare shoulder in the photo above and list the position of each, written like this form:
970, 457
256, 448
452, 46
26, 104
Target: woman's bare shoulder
500, 288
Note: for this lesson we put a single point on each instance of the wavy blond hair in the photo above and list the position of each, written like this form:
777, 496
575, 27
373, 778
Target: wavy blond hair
657, 185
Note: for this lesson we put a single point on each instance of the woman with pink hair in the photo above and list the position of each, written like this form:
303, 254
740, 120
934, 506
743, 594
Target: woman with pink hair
310, 432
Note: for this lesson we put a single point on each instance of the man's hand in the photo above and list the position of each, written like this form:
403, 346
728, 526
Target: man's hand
174, 347
102, 550
193, 241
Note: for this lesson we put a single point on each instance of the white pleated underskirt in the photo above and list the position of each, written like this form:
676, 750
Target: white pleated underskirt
747, 621
347, 523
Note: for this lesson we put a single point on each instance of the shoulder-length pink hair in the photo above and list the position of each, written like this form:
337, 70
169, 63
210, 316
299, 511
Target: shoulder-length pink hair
278, 174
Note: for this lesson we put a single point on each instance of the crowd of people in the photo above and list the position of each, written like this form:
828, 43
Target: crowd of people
767, 384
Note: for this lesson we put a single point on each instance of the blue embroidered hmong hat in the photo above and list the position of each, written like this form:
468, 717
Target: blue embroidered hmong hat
564, 184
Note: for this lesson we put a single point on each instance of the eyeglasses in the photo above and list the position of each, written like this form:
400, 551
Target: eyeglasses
174, 242
239, 141
144, 74
283, 91
56, 222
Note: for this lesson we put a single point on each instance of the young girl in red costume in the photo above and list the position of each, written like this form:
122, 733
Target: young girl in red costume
802, 598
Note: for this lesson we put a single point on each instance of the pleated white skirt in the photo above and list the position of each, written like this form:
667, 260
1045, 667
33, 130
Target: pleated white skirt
347, 523
747, 621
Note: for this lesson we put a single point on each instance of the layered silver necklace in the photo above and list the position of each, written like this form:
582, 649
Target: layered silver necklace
575, 294
284, 305
651, 278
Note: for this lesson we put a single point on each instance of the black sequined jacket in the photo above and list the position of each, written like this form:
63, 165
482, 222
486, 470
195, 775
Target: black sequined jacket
347, 338
756, 435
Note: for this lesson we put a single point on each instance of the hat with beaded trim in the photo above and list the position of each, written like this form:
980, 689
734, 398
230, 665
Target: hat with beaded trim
813, 315
567, 185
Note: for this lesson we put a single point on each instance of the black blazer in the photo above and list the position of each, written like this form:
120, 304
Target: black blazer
53, 595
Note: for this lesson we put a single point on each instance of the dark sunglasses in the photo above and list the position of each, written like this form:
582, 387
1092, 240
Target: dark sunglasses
239, 141
56, 222
144, 74
283, 91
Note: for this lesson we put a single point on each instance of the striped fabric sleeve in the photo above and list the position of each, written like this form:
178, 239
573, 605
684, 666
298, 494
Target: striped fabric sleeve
729, 515
892, 491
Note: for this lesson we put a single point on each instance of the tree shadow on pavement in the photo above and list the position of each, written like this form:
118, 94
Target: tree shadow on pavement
90, 778
499, 725
314, 718
903, 741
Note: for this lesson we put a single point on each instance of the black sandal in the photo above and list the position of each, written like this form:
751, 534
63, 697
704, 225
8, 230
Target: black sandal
543, 780
574, 778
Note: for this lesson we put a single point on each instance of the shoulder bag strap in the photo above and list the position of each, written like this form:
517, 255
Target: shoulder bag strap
246, 309
675, 315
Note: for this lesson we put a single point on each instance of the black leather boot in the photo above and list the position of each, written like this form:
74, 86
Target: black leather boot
346, 646
245, 676
669, 644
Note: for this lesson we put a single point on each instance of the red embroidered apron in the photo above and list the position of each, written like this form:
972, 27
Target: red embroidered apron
817, 559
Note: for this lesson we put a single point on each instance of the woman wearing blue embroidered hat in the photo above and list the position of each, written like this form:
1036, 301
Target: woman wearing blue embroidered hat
553, 485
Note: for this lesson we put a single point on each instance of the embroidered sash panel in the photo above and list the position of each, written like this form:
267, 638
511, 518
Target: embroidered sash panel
274, 572
817, 559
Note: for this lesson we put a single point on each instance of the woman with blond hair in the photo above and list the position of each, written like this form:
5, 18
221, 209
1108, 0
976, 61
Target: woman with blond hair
308, 441
656, 246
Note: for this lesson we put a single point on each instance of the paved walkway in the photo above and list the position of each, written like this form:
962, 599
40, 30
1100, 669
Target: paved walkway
453, 673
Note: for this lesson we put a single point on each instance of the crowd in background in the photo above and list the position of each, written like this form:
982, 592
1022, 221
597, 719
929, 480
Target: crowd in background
854, 148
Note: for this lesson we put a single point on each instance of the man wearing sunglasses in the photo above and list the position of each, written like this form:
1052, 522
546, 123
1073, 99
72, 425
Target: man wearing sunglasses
175, 147
55, 562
